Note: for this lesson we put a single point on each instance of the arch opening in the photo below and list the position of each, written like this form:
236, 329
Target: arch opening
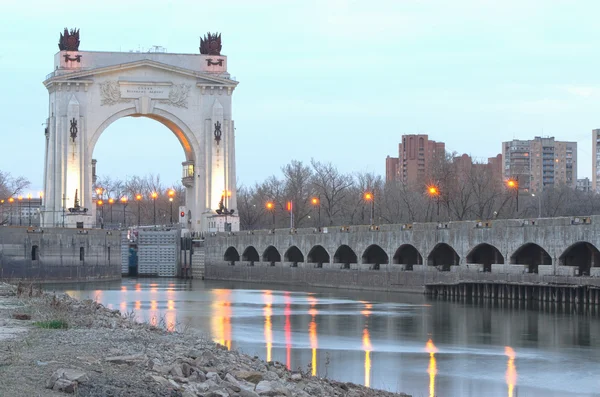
139, 168
407, 255
231, 255
582, 255
271, 255
345, 255
443, 256
485, 254
375, 255
532, 255
250, 254
318, 255
294, 255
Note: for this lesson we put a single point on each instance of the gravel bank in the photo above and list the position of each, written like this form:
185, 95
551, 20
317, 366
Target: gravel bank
103, 353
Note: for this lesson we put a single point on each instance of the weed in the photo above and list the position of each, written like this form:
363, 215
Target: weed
52, 324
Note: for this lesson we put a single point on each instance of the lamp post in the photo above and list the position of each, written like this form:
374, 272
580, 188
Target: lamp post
514, 184
171, 194
111, 201
370, 197
11, 201
271, 207
154, 195
124, 200
316, 201
434, 191
539, 196
40, 209
2, 212
138, 198
29, 207
19, 199
100, 204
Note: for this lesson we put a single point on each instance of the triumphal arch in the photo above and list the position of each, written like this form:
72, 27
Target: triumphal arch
188, 93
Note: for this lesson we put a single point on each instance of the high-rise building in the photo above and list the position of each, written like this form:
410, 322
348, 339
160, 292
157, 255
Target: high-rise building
465, 164
540, 163
596, 161
416, 155
585, 185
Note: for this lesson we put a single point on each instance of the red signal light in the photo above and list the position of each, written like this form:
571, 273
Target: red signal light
182, 214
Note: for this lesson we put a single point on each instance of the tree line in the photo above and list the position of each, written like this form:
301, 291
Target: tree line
323, 196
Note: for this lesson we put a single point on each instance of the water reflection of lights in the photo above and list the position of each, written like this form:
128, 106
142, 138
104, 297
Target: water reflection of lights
367, 348
366, 341
138, 305
432, 370
511, 370
312, 332
287, 311
138, 287
268, 312
221, 317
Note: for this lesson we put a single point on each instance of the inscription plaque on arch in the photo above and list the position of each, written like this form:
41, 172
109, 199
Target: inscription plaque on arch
131, 90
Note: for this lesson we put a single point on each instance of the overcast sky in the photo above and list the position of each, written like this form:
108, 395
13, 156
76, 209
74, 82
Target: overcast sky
337, 81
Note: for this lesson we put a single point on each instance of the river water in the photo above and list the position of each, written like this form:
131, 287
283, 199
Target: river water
392, 341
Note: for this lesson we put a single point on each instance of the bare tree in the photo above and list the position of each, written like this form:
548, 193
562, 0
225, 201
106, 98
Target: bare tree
331, 187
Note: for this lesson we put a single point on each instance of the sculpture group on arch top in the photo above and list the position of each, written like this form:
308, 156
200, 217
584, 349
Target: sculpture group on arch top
90, 90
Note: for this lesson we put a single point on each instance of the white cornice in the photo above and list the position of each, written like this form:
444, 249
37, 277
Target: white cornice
210, 80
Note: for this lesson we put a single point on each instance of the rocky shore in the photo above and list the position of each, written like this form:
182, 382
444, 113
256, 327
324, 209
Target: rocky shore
53, 344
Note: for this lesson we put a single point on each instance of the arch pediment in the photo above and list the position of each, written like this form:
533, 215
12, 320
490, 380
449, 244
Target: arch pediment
86, 76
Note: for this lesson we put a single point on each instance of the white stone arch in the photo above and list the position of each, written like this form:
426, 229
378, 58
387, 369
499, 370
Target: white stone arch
190, 94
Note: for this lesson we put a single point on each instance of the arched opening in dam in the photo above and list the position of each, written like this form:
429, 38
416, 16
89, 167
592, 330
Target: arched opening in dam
582, 255
294, 255
443, 255
486, 255
250, 255
271, 255
345, 255
375, 255
318, 255
407, 255
231, 256
532, 255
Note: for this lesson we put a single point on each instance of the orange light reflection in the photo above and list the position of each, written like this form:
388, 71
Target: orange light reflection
221, 317
511, 370
268, 312
312, 333
432, 370
367, 348
287, 311
153, 313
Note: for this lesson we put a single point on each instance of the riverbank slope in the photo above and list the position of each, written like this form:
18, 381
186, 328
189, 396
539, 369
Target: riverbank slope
54, 344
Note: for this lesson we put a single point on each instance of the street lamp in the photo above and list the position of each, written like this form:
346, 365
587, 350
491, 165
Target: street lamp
138, 198
171, 194
154, 195
271, 207
539, 196
434, 191
99, 191
100, 203
514, 184
316, 201
20, 198
11, 201
111, 201
29, 207
370, 197
124, 200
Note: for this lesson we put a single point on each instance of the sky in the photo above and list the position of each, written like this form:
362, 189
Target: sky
339, 81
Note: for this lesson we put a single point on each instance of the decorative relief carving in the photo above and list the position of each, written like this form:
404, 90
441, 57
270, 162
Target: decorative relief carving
178, 95
73, 129
111, 94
